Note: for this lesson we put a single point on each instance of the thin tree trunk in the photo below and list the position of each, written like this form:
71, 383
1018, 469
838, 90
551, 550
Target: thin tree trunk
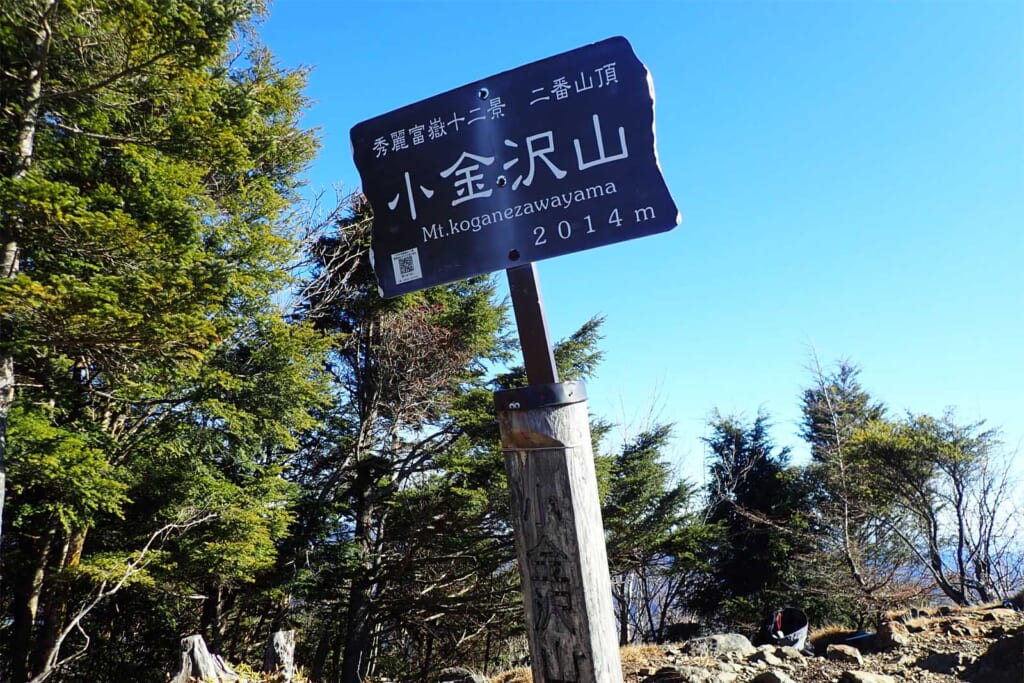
323, 648
339, 646
645, 586
487, 651
373, 654
210, 620
11, 263
27, 593
354, 662
622, 611
56, 600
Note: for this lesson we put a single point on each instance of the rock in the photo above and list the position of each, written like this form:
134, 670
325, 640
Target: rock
993, 654
766, 656
865, 677
693, 674
1003, 662
772, 677
666, 674
457, 674
999, 614
789, 653
892, 635
844, 653
714, 646
940, 662
956, 628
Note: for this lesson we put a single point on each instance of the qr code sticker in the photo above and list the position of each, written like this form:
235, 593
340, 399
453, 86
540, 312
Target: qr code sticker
407, 265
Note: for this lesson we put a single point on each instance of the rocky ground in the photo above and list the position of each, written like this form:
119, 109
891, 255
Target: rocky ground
978, 645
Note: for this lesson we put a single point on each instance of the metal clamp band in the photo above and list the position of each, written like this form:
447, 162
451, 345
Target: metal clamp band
540, 396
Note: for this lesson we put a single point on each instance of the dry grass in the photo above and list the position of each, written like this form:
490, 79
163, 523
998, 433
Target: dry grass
636, 657
828, 634
918, 624
514, 676
638, 654
633, 657
922, 615
914, 618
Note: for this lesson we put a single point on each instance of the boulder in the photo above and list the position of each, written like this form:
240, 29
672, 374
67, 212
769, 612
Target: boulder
693, 674
844, 653
892, 635
772, 677
721, 644
941, 662
1003, 662
999, 614
865, 677
766, 654
789, 653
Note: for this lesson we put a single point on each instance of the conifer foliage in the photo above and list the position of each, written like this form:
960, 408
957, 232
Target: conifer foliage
211, 423
150, 152
753, 502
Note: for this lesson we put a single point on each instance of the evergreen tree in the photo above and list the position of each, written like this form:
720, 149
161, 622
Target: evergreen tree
150, 150
405, 500
832, 409
859, 566
754, 500
408, 378
653, 537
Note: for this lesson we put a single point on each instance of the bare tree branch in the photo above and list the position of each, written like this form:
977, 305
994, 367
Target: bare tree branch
110, 586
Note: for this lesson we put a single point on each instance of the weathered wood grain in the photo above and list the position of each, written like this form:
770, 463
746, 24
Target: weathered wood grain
279, 659
198, 664
560, 544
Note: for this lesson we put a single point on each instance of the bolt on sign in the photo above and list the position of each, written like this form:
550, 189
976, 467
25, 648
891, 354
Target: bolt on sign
547, 159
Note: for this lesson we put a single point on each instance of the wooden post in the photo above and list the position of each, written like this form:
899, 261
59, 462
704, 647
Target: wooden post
556, 515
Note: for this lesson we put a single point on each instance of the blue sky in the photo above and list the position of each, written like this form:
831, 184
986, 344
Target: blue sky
850, 174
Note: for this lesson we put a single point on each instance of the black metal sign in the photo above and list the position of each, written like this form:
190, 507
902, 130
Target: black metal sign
551, 158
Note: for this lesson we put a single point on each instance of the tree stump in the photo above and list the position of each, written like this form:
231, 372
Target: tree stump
280, 656
199, 664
